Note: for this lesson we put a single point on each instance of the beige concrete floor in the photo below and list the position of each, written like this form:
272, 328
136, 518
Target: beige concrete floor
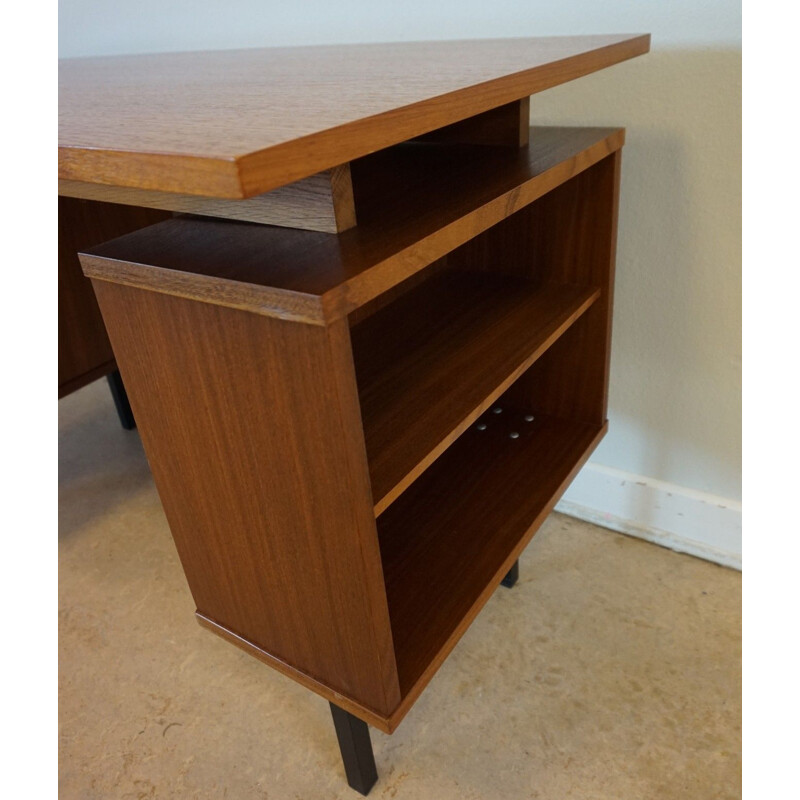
612, 670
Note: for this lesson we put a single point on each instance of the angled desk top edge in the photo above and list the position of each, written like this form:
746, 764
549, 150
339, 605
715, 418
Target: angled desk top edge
102, 142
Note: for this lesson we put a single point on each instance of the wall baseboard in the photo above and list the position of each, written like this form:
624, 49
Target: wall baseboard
681, 519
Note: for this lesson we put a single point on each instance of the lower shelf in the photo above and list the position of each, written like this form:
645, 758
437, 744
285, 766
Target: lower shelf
450, 538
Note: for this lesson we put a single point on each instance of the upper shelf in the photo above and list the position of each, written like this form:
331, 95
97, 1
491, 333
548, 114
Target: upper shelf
238, 123
415, 203
431, 362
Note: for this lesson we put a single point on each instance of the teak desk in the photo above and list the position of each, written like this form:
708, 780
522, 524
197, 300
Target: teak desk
368, 349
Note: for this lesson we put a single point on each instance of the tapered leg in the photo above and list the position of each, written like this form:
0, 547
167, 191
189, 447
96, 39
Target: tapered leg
512, 576
121, 400
356, 749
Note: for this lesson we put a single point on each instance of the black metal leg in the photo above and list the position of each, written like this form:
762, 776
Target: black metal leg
512, 576
121, 400
356, 749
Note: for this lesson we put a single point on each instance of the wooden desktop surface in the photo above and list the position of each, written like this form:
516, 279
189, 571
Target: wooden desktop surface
235, 124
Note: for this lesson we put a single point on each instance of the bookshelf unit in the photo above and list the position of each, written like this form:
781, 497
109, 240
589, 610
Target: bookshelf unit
431, 354
355, 434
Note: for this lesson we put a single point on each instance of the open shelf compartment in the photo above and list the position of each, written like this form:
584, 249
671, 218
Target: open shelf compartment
431, 362
483, 390
450, 538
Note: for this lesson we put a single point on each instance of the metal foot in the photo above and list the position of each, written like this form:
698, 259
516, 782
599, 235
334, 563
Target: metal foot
356, 749
512, 576
121, 400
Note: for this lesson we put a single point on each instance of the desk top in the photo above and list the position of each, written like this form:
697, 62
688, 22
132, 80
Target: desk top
237, 123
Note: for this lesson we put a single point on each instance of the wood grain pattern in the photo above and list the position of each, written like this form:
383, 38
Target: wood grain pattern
263, 300
574, 237
453, 535
240, 123
505, 126
430, 363
321, 202
251, 429
84, 352
415, 203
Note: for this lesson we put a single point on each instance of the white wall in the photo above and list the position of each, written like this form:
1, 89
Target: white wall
94, 27
676, 362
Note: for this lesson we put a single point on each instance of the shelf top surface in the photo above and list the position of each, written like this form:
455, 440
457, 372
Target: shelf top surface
419, 201
236, 123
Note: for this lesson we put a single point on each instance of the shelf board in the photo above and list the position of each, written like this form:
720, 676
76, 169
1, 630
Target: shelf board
431, 362
415, 203
449, 540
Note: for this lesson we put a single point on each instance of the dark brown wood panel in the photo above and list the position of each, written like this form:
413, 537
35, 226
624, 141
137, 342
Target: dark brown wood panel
432, 361
252, 432
396, 292
84, 352
574, 233
415, 204
238, 123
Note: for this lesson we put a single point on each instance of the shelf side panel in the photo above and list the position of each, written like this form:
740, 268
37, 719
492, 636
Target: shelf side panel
251, 427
